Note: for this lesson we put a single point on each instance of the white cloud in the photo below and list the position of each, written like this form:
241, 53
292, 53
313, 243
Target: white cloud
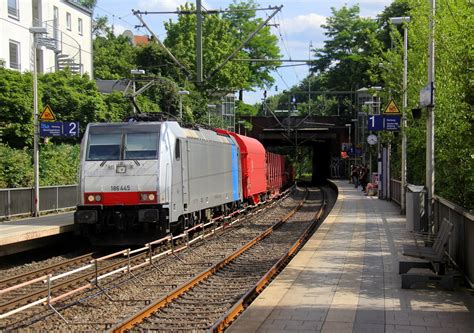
303, 23
160, 5
118, 29
164, 5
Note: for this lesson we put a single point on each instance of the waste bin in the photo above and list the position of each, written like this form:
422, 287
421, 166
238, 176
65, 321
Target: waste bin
415, 207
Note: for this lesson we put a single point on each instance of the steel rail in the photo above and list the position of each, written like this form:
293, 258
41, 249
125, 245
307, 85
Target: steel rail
146, 312
69, 283
108, 270
45, 270
245, 300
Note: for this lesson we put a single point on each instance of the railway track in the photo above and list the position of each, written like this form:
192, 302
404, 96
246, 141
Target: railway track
215, 297
191, 265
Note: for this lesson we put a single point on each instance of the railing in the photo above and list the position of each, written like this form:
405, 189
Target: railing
61, 42
461, 244
208, 229
20, 201
396, 190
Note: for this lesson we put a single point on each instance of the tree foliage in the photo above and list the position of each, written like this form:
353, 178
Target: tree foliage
344, 59
454, 120
263, 46
73, 98
16, 108
114, 56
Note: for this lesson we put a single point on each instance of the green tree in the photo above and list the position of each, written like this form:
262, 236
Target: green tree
117, 107
218, 43
15, 167
264, 45
16, 108
59, 164
114, 56
454, 122
73, 97
345, 55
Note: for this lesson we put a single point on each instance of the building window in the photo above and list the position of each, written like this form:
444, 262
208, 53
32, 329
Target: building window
14, 55
68, 21
79, 26
13, 10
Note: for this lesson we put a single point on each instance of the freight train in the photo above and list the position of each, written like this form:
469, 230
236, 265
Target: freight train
141, 180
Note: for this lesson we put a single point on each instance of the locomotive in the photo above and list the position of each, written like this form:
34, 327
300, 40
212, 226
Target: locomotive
141, 180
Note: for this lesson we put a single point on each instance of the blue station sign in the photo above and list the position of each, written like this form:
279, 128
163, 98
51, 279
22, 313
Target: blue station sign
392, 123
384, 123
375, 123
59, 129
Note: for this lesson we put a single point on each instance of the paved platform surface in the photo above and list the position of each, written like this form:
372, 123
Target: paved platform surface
33, 228
345, 279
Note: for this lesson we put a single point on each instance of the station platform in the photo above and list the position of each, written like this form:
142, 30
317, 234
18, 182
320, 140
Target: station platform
345, 279
21, 235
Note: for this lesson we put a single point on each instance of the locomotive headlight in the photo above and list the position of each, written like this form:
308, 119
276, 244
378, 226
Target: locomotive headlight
98, 197
90, 198
143, 197
151, 197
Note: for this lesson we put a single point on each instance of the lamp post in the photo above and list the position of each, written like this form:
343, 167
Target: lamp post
135, 72
36, 31
397, 21
209, 107
181, 93
430, 119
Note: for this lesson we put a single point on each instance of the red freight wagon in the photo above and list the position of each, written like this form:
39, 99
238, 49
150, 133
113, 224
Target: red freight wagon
276, 175
252, 156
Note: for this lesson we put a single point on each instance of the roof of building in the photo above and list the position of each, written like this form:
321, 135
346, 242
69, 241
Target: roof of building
140, 40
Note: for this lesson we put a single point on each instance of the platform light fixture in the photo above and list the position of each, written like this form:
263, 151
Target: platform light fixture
181, 93
404, 20
37, 33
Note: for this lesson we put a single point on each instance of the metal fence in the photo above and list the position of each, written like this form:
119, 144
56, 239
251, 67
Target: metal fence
20, 201
396, 191
461, 243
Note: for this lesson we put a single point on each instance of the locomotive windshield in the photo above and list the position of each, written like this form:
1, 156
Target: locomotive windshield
122, 142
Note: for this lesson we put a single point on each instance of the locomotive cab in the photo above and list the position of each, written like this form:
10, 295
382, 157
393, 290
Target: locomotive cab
119, 181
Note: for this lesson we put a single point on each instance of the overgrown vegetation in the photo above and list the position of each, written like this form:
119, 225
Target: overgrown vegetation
358, 52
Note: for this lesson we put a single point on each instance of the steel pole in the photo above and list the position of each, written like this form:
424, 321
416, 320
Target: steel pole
198, 42
404, 119
181, 108
35, 130
430, 120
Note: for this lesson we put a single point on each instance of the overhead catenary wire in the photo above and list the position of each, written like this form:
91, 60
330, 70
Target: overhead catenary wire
278, 26
121, 18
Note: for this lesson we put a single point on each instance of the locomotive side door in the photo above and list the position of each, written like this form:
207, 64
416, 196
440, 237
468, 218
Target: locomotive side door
185, 173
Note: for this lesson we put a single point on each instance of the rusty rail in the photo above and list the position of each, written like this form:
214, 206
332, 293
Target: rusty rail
146, 312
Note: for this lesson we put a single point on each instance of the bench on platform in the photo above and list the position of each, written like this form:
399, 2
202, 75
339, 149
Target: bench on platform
433, 266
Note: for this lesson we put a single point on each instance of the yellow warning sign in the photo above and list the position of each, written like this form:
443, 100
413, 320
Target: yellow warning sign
391, 108
47, 114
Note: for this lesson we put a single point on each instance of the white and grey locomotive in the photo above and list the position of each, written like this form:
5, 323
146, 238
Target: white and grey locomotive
140, 180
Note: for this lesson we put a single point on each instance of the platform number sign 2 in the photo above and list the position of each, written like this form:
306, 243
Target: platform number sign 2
71, 129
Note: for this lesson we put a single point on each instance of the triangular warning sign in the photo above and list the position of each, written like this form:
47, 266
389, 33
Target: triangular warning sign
47, 114
391, 108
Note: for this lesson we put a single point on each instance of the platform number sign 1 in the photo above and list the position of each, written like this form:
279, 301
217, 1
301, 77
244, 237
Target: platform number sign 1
375, 123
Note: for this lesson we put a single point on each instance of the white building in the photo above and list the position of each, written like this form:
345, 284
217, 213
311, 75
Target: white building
68, 42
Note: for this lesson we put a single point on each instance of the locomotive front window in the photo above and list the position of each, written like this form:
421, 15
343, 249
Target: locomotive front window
140, 146
103, 147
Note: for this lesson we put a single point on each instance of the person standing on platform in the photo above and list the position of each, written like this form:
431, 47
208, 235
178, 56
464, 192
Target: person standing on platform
353, 174
363, 177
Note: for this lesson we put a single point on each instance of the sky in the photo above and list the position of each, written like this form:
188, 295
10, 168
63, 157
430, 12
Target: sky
299, 26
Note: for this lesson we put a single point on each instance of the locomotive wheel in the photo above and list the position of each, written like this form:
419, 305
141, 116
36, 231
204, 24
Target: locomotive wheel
178, 227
